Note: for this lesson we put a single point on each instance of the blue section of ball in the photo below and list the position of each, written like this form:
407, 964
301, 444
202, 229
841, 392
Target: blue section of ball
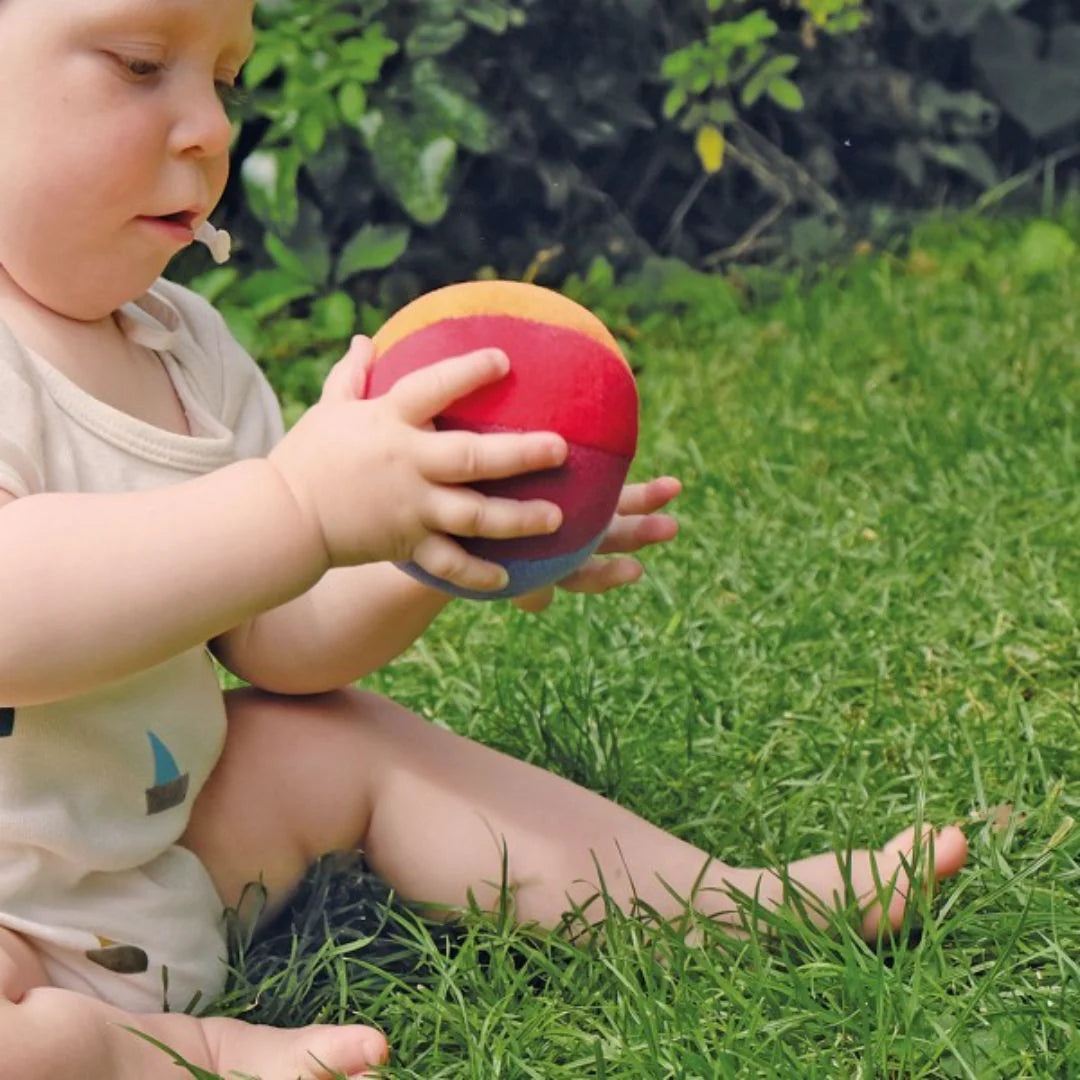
525, 574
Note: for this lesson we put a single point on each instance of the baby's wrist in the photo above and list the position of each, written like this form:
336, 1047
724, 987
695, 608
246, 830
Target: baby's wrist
298, 512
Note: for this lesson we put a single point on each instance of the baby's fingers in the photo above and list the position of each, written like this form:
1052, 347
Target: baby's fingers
464, 512
601, 575
442, 558
348, 378
462, 457
423, 394
626, 534
648, 497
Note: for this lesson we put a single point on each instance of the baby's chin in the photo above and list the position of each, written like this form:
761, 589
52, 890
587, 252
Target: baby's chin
77, 298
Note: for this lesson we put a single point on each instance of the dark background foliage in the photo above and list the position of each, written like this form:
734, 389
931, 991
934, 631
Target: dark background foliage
388, 147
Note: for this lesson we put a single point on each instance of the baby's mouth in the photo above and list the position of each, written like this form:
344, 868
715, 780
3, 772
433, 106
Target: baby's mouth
181, 217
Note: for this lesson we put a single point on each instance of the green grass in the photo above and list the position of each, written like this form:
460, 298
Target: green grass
870, 616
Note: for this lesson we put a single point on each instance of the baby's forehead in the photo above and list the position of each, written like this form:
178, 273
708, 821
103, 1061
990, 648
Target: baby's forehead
230, 21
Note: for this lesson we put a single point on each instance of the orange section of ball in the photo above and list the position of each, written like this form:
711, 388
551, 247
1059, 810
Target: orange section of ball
516, 298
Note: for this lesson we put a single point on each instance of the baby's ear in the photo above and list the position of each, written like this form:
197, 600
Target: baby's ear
349, 377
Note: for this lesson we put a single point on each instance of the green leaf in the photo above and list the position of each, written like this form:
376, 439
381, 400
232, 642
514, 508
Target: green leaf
752, 90
264, 61
269, 180
415, 170
720, 112
285, 258
364, 56
492, 15
352, 101
215, 282
268, 291
781, 64
786, 94
447, 100
674, 101
374, 247
677, 65
334, 316
310, 133
435, 39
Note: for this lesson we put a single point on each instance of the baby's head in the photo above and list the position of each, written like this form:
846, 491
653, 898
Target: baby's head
114, 141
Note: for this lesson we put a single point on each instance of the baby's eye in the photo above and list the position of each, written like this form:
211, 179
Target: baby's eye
141, 69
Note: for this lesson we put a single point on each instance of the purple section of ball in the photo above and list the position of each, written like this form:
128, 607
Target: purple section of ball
586, 488
525, 574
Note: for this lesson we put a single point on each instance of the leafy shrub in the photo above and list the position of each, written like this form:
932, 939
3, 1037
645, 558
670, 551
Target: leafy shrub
389, 147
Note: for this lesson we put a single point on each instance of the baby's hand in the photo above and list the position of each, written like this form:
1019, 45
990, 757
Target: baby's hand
376, 481
637, 524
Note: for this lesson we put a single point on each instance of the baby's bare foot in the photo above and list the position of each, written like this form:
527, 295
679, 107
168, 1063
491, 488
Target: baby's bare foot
318, 1052
880, 881
50, 1032
233, 1048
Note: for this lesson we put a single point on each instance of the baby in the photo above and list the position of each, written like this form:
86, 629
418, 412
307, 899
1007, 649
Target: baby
154, 514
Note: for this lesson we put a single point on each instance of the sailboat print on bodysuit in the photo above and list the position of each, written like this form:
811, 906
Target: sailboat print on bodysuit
170, 787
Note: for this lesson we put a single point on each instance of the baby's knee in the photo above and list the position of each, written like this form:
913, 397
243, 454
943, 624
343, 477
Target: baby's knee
20, 967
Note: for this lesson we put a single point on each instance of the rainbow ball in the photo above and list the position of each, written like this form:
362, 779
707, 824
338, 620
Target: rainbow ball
567, 375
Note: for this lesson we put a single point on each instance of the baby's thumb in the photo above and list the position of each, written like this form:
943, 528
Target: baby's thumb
348, 378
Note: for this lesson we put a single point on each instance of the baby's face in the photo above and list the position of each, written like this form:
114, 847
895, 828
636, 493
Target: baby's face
110, 119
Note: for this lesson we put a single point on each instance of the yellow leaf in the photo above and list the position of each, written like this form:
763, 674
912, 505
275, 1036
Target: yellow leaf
710, 145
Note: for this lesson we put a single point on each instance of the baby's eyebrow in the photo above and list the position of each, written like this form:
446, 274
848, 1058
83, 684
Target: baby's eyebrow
161, 16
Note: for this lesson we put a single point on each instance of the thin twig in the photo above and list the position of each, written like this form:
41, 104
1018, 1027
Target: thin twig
692, 195
749, 239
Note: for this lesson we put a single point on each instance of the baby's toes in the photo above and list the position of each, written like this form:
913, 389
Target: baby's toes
318, 1052
886, 875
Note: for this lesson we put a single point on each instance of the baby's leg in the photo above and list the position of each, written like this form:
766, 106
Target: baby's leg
46, 1033
435, 813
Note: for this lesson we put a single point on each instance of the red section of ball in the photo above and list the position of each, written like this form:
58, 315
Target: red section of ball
560, 379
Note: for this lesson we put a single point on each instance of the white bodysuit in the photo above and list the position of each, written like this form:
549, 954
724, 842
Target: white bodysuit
96, 790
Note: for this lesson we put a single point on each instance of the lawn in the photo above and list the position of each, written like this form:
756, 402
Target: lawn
869, 617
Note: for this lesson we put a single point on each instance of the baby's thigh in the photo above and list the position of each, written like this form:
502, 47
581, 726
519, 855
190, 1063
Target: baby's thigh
293, 783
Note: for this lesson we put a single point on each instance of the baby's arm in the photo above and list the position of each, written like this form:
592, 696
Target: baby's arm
94, 587
352, 622
97, 587
356, 620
